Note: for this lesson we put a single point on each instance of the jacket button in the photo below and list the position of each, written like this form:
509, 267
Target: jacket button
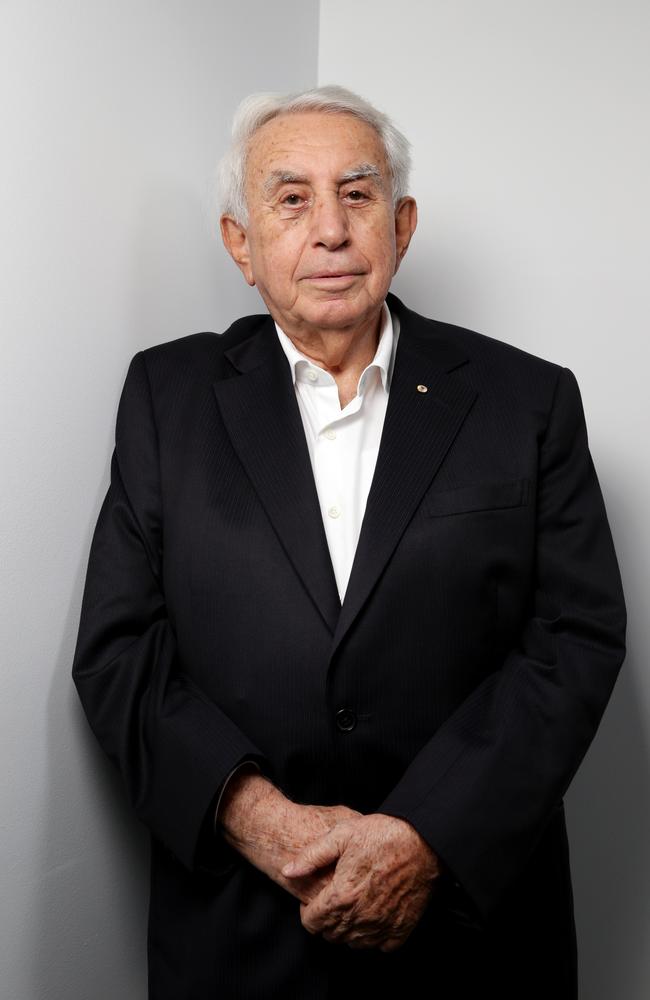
346, 719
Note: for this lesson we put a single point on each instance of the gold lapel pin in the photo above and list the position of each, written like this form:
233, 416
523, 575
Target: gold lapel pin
422, 388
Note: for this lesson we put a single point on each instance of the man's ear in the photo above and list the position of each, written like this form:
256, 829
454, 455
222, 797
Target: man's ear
406, 219
235, 240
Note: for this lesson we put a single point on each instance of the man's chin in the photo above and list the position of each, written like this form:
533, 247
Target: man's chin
340, 313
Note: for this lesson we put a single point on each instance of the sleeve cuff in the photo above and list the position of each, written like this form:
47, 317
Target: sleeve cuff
458, 904
224, 784
215, 856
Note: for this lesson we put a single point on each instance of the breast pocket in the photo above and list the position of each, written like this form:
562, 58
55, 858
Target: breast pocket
477, 496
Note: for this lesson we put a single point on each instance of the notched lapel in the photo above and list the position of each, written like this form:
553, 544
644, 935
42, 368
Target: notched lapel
419, 429
261, 414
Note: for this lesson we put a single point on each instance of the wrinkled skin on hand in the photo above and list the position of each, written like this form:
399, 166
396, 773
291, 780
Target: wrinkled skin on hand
269, 829
310, 824
384, 877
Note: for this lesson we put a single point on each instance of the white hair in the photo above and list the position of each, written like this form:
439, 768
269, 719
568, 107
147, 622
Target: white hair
257, 109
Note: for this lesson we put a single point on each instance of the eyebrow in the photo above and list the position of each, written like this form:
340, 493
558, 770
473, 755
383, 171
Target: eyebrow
358, 173
278, 177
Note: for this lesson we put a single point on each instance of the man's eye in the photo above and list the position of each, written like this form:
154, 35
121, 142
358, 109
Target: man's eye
356, 195
291, 199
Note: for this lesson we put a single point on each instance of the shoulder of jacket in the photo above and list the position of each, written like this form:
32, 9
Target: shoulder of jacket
199, 351
487, 352
496, 367
482, 347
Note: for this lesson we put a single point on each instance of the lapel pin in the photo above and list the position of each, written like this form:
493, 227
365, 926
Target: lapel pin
422, 388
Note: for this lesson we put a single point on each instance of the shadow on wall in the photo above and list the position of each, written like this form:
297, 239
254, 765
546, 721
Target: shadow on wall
88, 938
608, 813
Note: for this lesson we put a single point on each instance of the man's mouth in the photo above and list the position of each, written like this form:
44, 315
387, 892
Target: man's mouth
327, 275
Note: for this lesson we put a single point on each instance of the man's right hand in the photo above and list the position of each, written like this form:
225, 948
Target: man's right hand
268, 829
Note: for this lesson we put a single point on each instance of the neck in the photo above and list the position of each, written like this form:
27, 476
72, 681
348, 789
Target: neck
341, 352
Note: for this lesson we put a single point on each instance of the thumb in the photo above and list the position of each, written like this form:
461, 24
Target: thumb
319, 853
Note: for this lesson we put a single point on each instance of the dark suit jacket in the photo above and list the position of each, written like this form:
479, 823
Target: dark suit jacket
459, 685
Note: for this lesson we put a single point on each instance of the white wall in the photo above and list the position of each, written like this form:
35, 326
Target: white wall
112, 117
529, 122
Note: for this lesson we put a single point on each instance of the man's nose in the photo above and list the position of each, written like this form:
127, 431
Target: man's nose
330, 222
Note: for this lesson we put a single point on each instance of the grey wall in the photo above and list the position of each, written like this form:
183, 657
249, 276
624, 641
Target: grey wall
112, 117
530, 129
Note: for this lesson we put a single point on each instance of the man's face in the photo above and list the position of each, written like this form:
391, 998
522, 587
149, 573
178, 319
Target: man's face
323, 240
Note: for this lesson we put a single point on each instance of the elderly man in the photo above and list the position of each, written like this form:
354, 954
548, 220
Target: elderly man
352, 612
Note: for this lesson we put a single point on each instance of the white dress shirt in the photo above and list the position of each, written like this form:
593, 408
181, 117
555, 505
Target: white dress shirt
343, 446
343, 443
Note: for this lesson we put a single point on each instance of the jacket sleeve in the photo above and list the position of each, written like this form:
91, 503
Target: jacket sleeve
173, 746
482, 790
222, 789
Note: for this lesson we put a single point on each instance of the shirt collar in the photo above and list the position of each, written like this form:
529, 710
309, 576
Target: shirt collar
383, 360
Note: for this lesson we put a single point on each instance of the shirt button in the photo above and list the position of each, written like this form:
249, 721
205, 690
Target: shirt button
330, 434
333, 511
312, 375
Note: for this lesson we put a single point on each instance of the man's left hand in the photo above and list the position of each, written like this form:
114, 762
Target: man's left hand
384, 876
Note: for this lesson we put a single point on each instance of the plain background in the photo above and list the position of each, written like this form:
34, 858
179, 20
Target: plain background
530, 141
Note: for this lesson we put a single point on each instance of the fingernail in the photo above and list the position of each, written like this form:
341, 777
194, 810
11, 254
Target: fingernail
288, 868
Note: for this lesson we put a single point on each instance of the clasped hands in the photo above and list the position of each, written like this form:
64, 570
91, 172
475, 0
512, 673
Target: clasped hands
362, 880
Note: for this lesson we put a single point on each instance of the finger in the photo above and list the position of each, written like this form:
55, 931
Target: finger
307, 887
322, 851
364, 940
392, 944
319, 914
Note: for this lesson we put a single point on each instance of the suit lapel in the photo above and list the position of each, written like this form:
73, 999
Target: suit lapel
262, 417
419, 428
